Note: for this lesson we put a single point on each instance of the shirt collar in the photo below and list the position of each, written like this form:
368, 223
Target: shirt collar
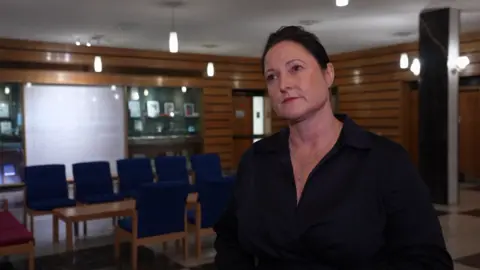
351, 135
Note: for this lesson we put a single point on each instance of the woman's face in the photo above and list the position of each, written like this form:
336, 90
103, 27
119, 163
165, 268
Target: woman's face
297, 85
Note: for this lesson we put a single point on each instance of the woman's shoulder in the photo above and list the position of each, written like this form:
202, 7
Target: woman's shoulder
386, 148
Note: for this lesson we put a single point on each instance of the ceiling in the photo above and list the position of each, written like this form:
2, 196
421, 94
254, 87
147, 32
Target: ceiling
236, 27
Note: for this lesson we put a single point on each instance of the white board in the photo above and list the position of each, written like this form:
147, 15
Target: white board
70, 124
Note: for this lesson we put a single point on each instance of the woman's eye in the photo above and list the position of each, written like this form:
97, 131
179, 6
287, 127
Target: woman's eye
270, 77
296, 68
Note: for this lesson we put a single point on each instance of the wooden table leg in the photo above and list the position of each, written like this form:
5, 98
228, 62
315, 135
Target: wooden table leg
69, 235
55, 229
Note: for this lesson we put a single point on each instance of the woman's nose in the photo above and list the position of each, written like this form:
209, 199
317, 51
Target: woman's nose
286, 82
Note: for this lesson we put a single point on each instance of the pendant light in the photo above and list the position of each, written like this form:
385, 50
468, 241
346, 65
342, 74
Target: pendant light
97, 61
341, 3
210, 69
97, 64
173, 38
404, 61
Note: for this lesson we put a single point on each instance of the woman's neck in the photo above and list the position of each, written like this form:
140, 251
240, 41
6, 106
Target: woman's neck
319, 128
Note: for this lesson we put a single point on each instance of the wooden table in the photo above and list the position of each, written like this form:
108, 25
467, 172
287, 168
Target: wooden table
80, 213
89, 212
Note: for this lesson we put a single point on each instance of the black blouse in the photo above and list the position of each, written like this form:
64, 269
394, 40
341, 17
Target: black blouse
364, 206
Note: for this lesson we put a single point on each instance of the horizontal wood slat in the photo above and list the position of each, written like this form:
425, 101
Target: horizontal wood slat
365, 88
387, 95
373, 105
90, 78
392, 113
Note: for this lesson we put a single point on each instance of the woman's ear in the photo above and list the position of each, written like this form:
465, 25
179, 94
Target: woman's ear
329, 75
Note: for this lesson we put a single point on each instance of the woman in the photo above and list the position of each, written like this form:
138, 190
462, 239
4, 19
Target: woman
324, 193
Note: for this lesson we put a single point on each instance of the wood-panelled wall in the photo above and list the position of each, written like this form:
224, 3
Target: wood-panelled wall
53, 63
217, 125
468, 131
372, 87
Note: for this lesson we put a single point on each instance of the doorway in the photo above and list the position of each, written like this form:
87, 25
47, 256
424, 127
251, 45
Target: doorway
251, 120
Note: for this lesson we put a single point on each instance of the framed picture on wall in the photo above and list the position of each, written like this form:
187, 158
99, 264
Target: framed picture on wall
189, 109
4, 109
168, 107
153, 108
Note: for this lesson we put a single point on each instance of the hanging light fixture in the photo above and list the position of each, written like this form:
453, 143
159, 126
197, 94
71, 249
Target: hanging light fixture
173, 42
173, 38
415, 67
97, 61
210, 69
97, 64
404, 61
341, 3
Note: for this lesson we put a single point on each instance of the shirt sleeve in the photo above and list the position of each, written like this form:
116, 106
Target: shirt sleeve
413, 232
230, 255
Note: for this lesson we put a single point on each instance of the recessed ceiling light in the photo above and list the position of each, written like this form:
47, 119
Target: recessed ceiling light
402, 34
308, 22
210, 46
173, 3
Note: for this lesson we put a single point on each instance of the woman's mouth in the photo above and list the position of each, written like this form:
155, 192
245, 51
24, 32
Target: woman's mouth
289, 99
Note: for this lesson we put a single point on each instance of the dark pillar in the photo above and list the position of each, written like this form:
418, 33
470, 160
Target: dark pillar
438, 101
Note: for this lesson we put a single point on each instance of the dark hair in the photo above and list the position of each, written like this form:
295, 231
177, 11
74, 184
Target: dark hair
298, 35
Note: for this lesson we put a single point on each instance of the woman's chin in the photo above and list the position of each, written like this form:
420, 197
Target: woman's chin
292, 114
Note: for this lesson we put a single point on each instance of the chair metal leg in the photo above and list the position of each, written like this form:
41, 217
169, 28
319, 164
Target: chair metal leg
84, 228
75, 229
32, 224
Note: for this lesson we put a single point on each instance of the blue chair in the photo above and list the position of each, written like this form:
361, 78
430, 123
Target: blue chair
172, 168
133, 173
93, 183
208, 167
160, 217
46, 188
213, 197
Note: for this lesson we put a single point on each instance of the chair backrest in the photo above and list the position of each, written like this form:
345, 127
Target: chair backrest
133, 173
45, 182
92, 178
161, 208
171, 168
213, 197
207, 167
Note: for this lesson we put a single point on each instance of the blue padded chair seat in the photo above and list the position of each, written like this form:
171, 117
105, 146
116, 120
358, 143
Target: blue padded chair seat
103, 198
126, 224
129, 194
50, 204
191, 216
192, 188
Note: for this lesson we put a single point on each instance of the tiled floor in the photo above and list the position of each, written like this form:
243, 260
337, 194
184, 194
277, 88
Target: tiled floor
461, 226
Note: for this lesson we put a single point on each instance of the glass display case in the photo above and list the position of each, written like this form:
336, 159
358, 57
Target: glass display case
163, 111
163, 120
11, 132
